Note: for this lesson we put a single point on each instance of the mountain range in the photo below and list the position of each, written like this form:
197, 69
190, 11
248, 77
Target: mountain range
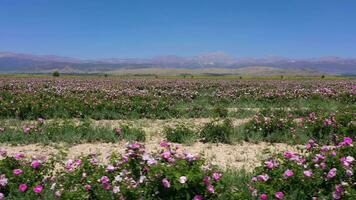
11, 62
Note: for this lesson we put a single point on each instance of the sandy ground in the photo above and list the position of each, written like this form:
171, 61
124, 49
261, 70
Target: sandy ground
244, 155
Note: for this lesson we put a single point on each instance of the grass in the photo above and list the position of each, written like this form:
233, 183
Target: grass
70, 132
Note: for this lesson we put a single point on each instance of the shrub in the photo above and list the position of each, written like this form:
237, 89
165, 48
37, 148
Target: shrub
271, 125
166, 174
322, 126
180, 134
55, 74
130, 133
321, 172
218, 132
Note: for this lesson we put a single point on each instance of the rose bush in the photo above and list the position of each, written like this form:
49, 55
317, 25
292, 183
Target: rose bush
320, 172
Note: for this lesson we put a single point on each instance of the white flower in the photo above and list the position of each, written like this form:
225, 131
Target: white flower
182, 179
116, 189
118, 178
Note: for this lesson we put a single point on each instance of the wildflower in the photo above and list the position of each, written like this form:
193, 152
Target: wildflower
110, 168
22, 187
216, 176
3, 180
198, 197
288, 173
332, 173
166, 154
2, 129
349, 173
206, 180
263, 196
182, 179
58, 193
346, 142
2, 196
347, 161
166, 183
3, 152
270, 164
26, 130
40, 120
18, 156
263, 177
38, 188
116, 189
87, 187
118, 178
308, 173
17, 171
211, 189
104, 179
164, 143
118, 131
36, 164
279, 195
151, 161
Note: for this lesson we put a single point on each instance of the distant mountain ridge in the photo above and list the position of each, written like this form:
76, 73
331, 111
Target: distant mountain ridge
27, 63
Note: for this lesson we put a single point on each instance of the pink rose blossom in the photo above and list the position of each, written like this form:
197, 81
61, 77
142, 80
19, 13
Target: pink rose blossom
211, 189
263, 196
279, 195
308, 173
17, 171
216, 176
38, 188
198, 197
332, 173
166, 183
22, 187
36, 164
288, 173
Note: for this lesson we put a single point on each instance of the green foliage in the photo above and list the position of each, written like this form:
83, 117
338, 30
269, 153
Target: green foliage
181, 133
217, 131
55, 74
321, 172
130, 133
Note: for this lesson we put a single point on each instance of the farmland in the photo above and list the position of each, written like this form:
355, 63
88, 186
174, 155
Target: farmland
177, 138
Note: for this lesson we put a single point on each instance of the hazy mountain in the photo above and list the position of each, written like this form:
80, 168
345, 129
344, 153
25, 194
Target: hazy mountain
26, 63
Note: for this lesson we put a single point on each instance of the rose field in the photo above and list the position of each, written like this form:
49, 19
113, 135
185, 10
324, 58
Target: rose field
91, 137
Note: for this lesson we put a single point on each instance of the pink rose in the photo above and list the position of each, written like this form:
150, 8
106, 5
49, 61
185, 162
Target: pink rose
17, 171
279, 195
22, 187
38, 188
166, 183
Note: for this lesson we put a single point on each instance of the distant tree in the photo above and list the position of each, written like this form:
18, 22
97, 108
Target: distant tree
191, 76
56, 74
184, 76
240, 77
106, 75
156, 76
322, 76
282, 76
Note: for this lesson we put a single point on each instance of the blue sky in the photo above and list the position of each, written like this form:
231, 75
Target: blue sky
145, 28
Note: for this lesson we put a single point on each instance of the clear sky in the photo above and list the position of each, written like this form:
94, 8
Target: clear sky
145, 28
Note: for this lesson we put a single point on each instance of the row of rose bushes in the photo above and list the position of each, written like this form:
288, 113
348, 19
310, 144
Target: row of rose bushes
317, 172
167, 174
321, 126
272, 126
146, 98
